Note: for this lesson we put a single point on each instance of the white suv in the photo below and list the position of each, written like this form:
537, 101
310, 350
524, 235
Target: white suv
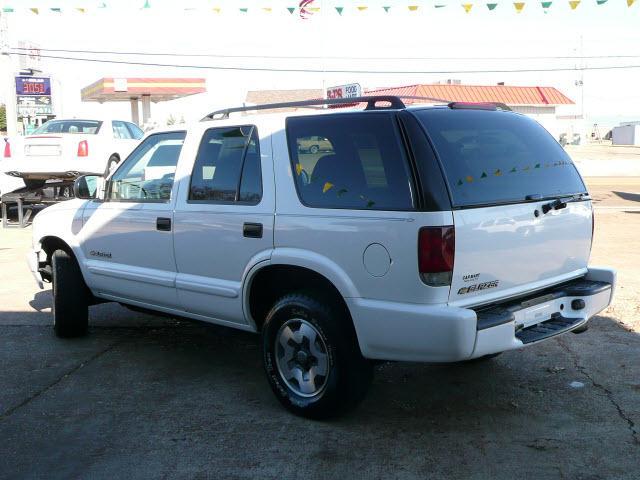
430, 234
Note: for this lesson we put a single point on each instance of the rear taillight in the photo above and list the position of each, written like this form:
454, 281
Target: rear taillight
7, 149
436, 251
83, 149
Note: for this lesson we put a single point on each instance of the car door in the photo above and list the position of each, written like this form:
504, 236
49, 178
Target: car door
126, 238
223, 220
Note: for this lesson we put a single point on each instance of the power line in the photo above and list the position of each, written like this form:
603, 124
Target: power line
318, 57
308, 70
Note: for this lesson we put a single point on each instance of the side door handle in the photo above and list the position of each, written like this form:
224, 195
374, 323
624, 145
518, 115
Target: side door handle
252, 230
163, 224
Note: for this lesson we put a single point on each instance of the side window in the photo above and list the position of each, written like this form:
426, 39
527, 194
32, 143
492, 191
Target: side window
136, 132
352, 161
147, 174
227, 167
121, 131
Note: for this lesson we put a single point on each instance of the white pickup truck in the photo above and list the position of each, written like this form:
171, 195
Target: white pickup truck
64, 149
431, 234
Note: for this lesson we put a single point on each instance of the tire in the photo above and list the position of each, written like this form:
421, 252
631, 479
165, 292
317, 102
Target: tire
111, 164
34, 184
320, 337
314, 149
70, 297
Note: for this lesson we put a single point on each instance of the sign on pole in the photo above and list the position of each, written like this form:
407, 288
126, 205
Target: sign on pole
345, 91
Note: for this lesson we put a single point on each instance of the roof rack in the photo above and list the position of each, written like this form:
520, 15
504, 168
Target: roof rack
371, 101
478, 106
395, 103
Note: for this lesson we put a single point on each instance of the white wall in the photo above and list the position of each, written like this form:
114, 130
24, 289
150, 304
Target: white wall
626, 135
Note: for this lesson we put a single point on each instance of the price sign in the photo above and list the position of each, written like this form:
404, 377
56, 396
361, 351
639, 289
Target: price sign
33, 86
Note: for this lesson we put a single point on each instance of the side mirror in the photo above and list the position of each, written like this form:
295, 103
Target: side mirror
87, 187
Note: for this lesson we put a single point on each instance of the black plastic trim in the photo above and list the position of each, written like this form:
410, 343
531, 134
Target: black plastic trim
556, 325
501, 313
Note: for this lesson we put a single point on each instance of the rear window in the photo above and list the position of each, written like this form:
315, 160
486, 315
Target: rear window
495, 157
70, 126
353, 161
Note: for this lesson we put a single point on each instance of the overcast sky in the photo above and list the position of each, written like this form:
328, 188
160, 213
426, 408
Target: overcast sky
610, 29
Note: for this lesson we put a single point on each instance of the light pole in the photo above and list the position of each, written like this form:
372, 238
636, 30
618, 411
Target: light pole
7, 80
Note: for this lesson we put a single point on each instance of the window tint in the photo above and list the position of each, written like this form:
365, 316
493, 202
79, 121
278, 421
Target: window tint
148, 173
121, 131
227, 168
135, 131
493, 157
349, 161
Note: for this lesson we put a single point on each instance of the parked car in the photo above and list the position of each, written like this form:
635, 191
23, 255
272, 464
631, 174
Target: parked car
428, 234
64, 149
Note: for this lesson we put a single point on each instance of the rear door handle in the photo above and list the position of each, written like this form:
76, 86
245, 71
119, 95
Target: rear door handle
252, 230
163, 224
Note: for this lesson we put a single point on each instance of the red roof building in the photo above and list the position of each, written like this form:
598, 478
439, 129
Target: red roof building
509, 95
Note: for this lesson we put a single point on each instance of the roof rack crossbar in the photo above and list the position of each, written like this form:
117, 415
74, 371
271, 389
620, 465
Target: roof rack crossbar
371, 101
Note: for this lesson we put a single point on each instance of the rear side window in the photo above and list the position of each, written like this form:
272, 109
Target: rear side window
351, 161
227, 168
495, 157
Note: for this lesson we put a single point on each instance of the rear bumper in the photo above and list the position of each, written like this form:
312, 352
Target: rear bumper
413, 332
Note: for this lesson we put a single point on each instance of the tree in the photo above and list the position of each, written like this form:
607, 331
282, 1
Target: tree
3, 118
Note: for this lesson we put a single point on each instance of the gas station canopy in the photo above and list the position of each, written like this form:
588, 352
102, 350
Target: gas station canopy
146, 89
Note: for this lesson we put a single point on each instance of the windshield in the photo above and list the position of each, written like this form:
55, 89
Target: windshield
70, 126
494, 157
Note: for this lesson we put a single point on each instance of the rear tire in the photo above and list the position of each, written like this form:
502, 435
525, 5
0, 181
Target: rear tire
70, 297
311, 357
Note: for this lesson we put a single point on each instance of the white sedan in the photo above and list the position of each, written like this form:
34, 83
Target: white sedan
65, 149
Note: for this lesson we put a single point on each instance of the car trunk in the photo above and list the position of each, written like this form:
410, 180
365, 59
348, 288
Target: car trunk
522, 217
53, 153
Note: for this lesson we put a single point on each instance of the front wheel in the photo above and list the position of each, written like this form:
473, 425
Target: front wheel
70, 296
311, 357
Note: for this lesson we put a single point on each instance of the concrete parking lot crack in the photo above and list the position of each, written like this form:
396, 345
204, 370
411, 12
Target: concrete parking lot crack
66, 374
621, 413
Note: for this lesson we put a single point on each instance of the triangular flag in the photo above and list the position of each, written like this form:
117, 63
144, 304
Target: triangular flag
600, 2
216, 9
267, 9
35, 10
57, 10
460, 182
518, 6
546, 5
498, 173
467, 7
244, 10
81, 10
291, 9
440, 5
574, 4
469, 178
413, 8
491, 6
386, 9
362, 8
630, 2
339, 10
146, 4
484, 175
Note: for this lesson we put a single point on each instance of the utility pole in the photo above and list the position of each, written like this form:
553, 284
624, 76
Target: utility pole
7, 79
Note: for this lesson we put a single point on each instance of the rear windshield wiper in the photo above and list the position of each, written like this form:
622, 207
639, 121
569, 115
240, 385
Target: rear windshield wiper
561, 202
